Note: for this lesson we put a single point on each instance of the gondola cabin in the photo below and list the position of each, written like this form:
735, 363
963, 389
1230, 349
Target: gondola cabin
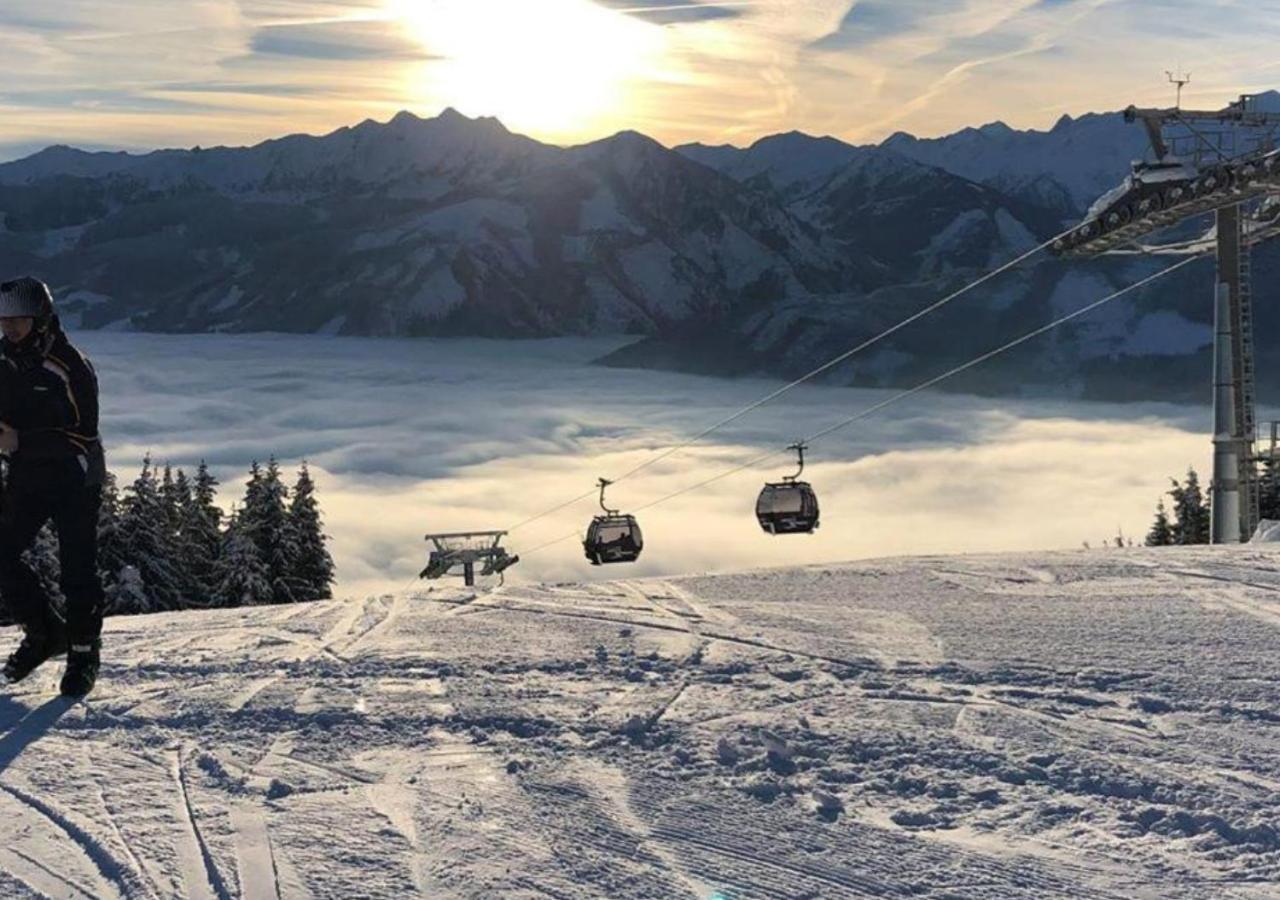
613, 539
787, 507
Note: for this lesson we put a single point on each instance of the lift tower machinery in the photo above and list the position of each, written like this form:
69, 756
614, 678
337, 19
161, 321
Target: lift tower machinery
1219, 162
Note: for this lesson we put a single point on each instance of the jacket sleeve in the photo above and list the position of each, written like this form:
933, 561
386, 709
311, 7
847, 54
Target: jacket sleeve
76, 419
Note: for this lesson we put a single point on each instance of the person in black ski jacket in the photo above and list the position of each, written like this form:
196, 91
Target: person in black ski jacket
49, 431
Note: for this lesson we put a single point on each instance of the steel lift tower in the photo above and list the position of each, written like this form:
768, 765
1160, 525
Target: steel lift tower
1217, 161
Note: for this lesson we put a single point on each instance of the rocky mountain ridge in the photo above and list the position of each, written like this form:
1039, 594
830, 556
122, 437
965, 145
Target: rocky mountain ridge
725, 260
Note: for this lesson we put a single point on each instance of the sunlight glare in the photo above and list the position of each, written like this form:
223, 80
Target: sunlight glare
558, 68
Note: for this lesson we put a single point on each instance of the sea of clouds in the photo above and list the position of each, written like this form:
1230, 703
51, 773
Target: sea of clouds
410, 436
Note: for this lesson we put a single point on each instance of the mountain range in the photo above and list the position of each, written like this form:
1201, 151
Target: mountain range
765, 259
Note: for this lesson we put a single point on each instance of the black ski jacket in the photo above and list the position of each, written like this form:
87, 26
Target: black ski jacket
49, 394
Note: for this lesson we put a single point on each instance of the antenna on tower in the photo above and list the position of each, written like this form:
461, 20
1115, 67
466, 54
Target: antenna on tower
1181, 81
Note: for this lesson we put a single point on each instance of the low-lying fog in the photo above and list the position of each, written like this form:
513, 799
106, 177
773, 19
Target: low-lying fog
410, 436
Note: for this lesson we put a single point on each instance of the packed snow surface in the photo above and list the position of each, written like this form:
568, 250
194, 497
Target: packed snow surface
1088, 724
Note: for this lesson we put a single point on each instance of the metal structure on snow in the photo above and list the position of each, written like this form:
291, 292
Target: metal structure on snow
467, 549
1216, 162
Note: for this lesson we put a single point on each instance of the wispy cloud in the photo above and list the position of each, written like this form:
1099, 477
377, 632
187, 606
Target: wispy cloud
729, 70
670, 12
362, 41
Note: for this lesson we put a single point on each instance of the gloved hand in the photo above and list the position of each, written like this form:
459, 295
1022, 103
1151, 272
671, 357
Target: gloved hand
8, 438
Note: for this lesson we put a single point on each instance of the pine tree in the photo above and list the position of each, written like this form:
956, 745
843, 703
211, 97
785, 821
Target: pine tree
1269, 490
144, 531
1161, 533
1191, 514
42, 556
111, 548
176, 489
243, 576
182, 496
312, 569
202, 538
169, 502
128, 593
264, 520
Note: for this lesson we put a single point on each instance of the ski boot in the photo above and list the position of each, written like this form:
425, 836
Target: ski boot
82, 668
37, 646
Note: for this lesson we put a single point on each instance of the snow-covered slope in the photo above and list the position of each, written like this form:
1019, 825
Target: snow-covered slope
762, 260
448, 225
1075, 725
1067, 167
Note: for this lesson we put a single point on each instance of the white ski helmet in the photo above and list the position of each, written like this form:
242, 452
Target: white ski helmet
27, 297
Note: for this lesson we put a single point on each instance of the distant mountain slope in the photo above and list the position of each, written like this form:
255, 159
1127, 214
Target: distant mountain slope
793, 164
448, 225
1064, 169
727, 260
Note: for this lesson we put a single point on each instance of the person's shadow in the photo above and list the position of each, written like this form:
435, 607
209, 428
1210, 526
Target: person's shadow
23, 727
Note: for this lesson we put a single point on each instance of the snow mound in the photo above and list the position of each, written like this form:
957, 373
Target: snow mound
1268, 532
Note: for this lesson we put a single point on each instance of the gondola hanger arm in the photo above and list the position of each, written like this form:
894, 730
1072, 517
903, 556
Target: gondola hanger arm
799, 447
604, 483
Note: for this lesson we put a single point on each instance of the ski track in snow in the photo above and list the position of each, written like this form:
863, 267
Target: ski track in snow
1074, 725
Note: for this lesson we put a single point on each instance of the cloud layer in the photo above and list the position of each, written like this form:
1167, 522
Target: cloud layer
407, 437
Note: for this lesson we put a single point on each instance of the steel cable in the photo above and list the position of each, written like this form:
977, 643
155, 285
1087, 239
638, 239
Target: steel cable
825, 367
903, 395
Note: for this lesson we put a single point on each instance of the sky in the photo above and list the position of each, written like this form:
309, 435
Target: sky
141, 74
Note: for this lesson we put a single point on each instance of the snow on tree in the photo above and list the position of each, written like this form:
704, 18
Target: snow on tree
1161, 533
163, 544
178, 502
128, 593
243, 576
1191, 513
201, 527
1269, 490
144, 530
169, 501
112, 560
312, 569
42, 556
265, 520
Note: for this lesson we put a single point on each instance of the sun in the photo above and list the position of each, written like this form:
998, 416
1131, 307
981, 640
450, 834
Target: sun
557, 68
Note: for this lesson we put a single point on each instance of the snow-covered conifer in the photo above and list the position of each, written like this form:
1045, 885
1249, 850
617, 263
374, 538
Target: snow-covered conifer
243, 576
265, 521
312, 569
1269, 490
1191, 513
128, 595
1161, 533
111, 546
202, 538
42, 556
144, 531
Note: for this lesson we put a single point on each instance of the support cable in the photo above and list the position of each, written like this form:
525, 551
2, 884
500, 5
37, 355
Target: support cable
827, 366
910, 392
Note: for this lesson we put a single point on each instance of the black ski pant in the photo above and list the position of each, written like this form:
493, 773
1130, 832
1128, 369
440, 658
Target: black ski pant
56, 490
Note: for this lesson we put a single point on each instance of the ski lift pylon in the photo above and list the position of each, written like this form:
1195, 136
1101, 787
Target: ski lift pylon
613, 537
789, 506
